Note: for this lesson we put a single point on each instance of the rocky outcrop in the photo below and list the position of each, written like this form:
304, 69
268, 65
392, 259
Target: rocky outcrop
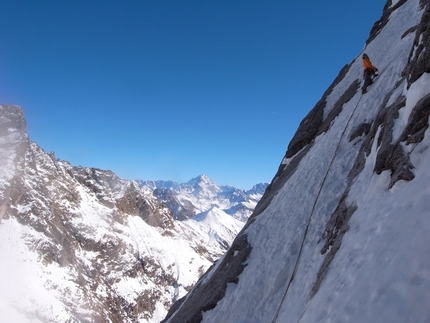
314, 123
211, 288
181, 211
382, 22
419, 57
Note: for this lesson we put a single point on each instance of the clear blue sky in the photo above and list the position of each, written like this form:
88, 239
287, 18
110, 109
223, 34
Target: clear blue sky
173, 89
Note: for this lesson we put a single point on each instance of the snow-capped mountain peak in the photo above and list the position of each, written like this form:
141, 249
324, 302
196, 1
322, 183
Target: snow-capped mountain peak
202, 186
200, 194
81, 245
201, 180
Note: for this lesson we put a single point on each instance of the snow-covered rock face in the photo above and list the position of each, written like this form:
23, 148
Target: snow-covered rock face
82, 245
342, 233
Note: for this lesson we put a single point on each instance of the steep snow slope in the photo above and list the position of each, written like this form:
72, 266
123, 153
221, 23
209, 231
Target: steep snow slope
215, 227
342, 233
82, 245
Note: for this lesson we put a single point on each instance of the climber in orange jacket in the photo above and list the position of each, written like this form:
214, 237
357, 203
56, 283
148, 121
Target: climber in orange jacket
369, 73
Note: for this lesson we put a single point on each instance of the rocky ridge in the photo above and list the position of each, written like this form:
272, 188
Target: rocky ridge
83, 245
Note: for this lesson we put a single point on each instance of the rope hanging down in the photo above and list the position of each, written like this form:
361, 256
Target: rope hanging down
275, 318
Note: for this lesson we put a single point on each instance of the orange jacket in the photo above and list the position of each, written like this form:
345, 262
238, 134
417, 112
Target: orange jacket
367, 64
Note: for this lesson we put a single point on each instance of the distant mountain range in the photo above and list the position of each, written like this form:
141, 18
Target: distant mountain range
341, 234
201, 194
82, 245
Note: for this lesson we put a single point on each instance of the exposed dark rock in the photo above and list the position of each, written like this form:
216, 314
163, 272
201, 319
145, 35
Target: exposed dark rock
401, 166
391, 156
385, 121
419, 57
181, 211
418, 122
155, 217
338, 106
14, 119
208, 291
335, 229
308, 129
360, 130
380, 24
311, 124
131, 202
368, 140
201, 250
153, 213
104, 184
98, 181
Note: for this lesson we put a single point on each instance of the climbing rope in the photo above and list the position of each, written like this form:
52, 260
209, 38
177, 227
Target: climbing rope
275, 318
